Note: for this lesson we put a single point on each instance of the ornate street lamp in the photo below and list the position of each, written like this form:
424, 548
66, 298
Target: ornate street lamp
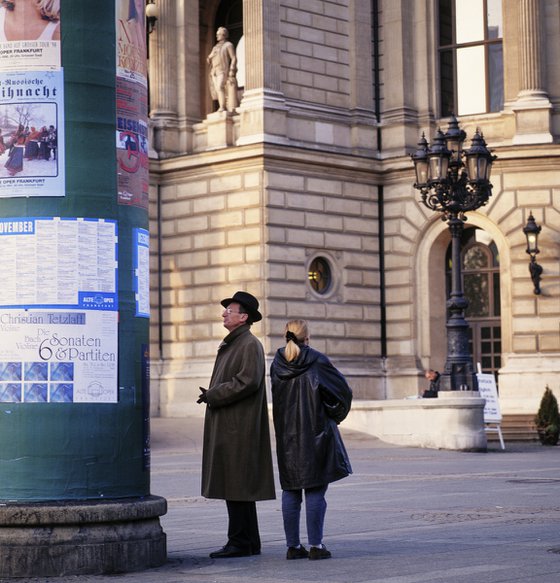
453, 181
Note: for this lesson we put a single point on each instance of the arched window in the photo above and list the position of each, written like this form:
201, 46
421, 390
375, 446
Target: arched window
481, 286
230, 15
481, 281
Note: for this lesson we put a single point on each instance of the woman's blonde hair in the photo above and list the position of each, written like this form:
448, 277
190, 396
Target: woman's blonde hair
49, 9
297, 332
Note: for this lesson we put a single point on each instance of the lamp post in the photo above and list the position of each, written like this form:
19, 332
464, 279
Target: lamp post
532, 230
453, 181
152, 14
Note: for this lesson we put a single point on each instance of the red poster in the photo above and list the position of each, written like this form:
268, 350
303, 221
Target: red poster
132, 107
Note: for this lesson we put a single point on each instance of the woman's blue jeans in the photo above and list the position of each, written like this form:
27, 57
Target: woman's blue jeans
315, 509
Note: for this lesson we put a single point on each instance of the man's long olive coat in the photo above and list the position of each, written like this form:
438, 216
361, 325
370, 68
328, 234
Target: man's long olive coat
236, 456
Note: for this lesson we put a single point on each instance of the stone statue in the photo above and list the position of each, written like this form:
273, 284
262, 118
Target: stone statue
223, 68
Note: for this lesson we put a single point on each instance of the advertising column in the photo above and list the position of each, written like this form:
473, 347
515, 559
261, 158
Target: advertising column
74, 300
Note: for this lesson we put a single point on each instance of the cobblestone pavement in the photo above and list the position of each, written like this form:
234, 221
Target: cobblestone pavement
405, 516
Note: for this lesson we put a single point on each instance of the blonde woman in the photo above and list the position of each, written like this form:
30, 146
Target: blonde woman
29, 20
309, 398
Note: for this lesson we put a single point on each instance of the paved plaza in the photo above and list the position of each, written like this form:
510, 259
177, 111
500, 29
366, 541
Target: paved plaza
406, 515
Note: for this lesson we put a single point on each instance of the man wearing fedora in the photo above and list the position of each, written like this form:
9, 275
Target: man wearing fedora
236, 455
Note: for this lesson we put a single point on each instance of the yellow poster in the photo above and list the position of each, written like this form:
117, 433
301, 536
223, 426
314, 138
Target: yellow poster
131, 40
29, 35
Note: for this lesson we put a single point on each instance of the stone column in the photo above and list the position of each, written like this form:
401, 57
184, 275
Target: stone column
262, 37
163, 83
162, 70
532, 57
262, 109
401, 87
75, 467
532, 107
361, 78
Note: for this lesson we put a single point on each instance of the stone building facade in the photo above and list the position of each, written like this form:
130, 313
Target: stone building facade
304, 194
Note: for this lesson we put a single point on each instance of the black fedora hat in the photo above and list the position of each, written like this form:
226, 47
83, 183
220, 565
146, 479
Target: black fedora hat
249, 302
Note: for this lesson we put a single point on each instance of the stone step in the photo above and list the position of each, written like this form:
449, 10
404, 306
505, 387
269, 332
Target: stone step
516, 428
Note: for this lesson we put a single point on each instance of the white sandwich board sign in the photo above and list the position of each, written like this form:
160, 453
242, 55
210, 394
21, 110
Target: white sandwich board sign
492, 414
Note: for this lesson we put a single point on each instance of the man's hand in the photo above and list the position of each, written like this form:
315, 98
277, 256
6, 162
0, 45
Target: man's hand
202, 396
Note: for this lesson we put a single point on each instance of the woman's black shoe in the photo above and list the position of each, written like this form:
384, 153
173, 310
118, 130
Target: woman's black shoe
297, 553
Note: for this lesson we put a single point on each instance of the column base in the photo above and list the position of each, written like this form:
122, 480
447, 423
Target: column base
263, 117
533, 112
52, 539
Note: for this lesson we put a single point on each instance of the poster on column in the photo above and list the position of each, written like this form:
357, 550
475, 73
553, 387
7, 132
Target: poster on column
141, 254
58, 356
132, 144
29, 35
58, 310
131, 40
132, 105
32, 134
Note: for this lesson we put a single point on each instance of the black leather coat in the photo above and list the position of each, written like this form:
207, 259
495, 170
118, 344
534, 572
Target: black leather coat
309, 447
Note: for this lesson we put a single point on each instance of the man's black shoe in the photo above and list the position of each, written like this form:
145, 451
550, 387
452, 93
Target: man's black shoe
229, 551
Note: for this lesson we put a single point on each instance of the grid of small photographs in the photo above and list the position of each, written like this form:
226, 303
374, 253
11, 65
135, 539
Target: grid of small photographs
36, 382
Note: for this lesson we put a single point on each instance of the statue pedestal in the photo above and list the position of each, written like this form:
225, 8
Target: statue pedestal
219, 130
50, 539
